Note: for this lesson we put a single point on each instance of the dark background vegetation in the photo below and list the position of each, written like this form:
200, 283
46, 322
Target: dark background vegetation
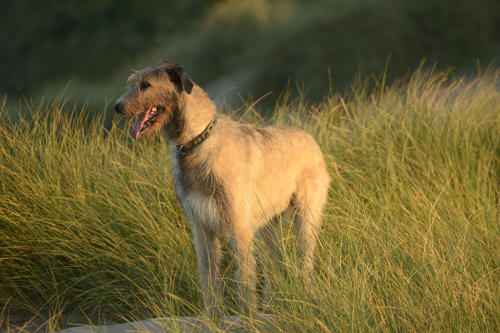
236, 46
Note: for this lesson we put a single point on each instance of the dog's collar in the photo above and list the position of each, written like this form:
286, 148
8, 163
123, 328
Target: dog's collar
188, 147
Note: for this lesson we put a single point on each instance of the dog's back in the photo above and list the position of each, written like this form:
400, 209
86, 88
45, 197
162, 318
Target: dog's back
268, 167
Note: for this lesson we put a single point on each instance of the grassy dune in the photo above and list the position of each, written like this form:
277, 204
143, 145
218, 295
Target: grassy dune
90, 225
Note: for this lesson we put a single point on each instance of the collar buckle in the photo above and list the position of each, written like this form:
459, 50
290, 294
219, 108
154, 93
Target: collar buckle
182, 150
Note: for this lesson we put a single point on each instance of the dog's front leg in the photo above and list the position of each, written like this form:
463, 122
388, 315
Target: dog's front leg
243, 249
207, 247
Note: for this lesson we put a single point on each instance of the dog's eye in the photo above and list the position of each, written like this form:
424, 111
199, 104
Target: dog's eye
144, 85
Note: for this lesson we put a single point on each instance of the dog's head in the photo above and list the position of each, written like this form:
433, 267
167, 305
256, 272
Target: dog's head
153, 95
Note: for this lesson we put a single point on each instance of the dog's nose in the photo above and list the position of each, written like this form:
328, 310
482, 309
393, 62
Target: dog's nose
118, 107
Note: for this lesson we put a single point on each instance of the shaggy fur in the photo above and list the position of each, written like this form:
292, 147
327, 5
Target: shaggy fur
236, 181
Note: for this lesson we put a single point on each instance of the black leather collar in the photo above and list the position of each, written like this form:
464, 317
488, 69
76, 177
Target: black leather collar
198, 140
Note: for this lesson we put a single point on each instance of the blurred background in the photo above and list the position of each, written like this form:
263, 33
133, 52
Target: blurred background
236, 48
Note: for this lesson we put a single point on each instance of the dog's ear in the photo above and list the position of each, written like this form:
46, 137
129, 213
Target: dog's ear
180, 79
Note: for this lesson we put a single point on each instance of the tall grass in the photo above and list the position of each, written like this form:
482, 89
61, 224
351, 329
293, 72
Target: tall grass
90, 225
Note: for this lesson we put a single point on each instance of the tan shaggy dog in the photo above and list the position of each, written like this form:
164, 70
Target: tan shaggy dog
230, 178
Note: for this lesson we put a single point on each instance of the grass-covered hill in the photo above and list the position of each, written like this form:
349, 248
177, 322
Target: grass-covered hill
90, 228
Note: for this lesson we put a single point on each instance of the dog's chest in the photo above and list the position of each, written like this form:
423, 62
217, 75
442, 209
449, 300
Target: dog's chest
196, 197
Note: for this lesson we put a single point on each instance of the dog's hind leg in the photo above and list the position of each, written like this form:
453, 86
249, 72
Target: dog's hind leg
207, 247
308, 202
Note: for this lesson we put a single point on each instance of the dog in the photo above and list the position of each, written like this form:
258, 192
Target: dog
231, 179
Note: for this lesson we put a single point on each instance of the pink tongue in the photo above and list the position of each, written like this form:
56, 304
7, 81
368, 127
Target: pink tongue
136, 130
